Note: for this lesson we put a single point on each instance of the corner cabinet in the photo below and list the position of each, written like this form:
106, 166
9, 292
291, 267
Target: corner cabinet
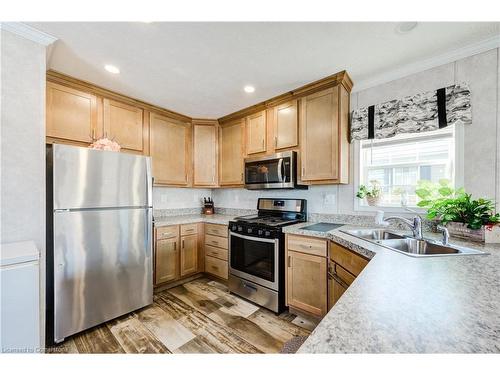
170, 150
324, 142
205, 168
71, 115
231, 153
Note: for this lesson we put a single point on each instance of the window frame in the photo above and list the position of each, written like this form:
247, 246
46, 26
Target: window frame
459, 174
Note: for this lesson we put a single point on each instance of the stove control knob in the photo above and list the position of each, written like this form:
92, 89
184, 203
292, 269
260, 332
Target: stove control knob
267, 233
234, 227
240, 229
260, 232
249, 230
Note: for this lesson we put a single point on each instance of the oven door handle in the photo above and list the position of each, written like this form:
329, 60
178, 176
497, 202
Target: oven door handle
253, 238
280, 170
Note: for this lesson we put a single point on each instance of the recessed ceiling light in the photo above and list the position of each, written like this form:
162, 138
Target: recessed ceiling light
249, 89
405, 27
112, 69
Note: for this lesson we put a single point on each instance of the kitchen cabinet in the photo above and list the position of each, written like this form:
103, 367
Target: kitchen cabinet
170, 150
306, 287
231, 154
324, 142
286, 126
344, 266
71, 115
216, 250
256, 133
205, 166
189, 255
124, 124
166, 260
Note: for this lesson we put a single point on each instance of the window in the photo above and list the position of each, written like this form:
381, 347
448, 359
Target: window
398, 163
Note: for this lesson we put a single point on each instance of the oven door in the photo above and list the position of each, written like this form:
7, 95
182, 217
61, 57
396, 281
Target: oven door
254, 259
269, 172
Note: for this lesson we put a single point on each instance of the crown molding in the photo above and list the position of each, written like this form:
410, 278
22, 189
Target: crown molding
419, 66
28, 32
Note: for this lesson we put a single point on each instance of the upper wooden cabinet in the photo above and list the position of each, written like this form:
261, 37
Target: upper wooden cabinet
71, 114
286, 125
231, 154
256, 133
170, 150
205, 168
324, 136
124, 124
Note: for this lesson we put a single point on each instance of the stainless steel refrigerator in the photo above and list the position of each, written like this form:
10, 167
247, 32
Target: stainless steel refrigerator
99, 229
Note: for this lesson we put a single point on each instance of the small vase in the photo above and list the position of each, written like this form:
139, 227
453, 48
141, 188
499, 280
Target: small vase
373, 201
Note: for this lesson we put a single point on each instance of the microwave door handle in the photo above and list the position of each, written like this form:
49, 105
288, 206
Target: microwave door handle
280, 170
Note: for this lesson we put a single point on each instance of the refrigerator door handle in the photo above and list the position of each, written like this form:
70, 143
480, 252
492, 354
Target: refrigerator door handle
149, 182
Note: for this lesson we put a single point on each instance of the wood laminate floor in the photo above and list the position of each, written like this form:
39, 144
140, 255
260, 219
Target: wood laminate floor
200, 316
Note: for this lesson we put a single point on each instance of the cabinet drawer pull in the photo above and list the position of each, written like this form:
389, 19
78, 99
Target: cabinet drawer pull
215, 267
189, 230
289, 261
214, 242
183, 244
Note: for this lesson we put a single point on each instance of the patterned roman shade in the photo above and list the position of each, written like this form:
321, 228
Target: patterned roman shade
413, 114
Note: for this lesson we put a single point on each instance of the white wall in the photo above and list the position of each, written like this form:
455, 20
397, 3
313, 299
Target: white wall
481, 145
173, 198
22, 197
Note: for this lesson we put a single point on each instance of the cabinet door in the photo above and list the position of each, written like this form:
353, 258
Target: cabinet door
286, 125
205, 154
231, 153
71, 114
123, 123
307, 283
166, 260
256, 133
169, 148
335, 291
320, 135
189, 255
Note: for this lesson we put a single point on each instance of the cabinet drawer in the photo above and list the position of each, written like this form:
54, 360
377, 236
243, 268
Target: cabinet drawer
187, 229
308, 245
167, 232
216, 230
216, 241
347, 259
216, 267
342, 274
216, 252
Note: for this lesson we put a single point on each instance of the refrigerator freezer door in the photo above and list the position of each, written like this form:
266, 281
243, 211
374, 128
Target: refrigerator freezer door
102, 266
86, 178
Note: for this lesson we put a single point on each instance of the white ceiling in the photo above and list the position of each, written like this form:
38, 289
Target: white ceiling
199, 69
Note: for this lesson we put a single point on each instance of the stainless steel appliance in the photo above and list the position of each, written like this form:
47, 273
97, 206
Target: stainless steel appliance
278, 171
257, 251
99, 229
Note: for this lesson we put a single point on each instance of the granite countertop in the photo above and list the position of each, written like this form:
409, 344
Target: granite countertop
403, 304
162, 221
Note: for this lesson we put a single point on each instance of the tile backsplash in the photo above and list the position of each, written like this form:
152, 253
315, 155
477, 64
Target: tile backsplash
320, 199
179, 198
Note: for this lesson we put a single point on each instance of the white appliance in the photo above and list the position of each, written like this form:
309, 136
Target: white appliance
20, 299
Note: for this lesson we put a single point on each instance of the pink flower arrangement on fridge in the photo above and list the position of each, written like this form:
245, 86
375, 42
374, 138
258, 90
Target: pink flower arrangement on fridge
105, 144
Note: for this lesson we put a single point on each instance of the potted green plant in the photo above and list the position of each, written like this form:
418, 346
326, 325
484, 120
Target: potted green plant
464, 216
372, 193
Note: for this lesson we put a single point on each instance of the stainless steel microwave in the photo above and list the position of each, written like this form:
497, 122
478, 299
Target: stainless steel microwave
278, 171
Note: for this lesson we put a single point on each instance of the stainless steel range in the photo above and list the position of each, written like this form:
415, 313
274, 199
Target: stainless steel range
257, 251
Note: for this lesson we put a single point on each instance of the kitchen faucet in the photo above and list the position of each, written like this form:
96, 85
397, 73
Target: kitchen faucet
415, 224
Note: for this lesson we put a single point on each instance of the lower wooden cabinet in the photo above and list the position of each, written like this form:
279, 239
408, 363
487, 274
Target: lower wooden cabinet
216, 250
177, 252
306, 285
189, 255
166, 264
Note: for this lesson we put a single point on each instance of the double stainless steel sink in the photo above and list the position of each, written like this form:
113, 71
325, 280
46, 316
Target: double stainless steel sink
410, 246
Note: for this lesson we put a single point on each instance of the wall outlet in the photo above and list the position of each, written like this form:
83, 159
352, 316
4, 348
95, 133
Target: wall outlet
164, 198
329, 199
